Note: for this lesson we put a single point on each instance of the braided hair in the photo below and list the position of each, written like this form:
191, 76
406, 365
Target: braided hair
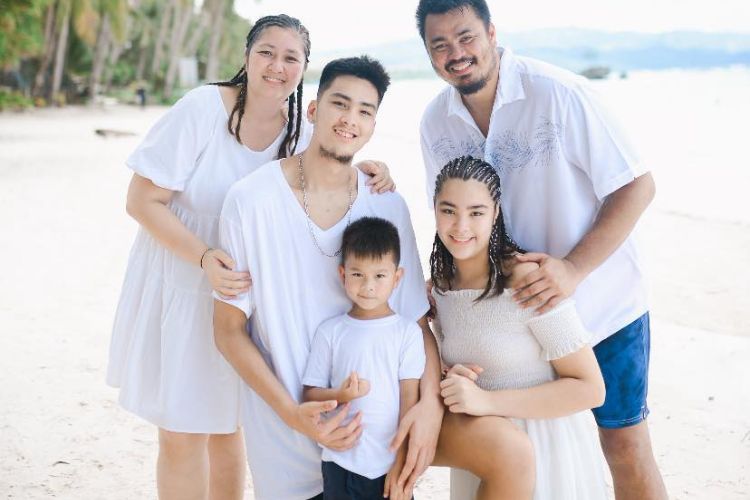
294, 115
501, 246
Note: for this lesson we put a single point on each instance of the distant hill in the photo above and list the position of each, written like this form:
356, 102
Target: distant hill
578, 49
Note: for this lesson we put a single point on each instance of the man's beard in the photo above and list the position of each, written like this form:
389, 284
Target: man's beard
473, 87
343, 159
476, 86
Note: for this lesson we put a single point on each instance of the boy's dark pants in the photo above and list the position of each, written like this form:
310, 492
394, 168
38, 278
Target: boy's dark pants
340, 484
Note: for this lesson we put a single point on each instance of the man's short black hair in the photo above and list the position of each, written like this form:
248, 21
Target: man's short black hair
427, 7
371, 238
363, 67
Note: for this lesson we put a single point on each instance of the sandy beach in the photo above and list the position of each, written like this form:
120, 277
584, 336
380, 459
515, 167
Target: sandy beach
65, 240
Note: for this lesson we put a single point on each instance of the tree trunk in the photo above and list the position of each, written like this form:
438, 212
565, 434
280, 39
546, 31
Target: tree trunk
182, 16
49, 49
100, 56
109, 69
62, 47
204, 19
212, 65
166, 15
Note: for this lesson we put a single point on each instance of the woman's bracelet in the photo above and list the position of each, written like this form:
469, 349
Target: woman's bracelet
204, 254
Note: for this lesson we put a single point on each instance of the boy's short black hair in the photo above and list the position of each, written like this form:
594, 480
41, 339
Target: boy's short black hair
363, 67
427, 7
371, 238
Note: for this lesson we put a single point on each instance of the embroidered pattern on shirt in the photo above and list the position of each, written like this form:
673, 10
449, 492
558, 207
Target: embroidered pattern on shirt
512, 150
445, 149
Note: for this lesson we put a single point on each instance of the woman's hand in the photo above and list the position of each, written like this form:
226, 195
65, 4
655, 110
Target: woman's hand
308, 419
461, 394
218, 268
380, 177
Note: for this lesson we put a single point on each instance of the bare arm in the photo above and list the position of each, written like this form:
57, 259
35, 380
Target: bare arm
557, 279
422, 422
147, 204
409, 395
245, 358
351, 388
579, 387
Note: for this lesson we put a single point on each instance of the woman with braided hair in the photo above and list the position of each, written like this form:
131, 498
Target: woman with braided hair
536, 371
162, 353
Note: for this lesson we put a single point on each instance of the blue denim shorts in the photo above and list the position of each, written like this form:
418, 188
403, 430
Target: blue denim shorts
623, 359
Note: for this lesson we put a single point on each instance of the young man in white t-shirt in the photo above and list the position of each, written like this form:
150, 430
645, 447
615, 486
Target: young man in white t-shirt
573, 190
371, 357
284, 224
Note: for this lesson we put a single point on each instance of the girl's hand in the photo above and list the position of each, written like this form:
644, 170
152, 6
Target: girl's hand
380, 177
461, 394
218, 268
352, 388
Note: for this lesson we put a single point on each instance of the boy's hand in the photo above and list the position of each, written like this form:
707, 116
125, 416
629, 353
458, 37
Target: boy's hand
392, 490
421, 425
353, 388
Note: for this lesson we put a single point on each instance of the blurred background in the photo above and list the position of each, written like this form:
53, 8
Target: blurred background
73, 51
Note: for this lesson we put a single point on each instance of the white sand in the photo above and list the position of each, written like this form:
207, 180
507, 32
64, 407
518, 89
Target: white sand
64, 244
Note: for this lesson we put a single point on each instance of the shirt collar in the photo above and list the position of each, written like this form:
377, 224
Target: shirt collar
509, 89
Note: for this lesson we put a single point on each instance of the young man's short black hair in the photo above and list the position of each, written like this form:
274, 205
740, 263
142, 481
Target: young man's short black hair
363, 67
371, 238
427, 7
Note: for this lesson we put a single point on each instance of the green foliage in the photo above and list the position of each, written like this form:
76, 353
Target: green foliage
20, 29
14, 101
127, 53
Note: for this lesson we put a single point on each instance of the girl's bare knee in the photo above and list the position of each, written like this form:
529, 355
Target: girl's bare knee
509, 449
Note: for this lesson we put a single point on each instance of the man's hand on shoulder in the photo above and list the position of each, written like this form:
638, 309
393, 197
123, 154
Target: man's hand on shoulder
547, 286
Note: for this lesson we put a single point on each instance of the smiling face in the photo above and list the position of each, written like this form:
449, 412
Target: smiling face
464, 215
369, 282
275, 62
344, 117
462, 49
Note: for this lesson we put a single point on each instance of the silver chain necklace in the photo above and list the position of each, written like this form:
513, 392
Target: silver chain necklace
307, 212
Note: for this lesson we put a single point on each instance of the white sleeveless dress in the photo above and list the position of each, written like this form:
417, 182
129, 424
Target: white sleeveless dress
162, 353
514, 346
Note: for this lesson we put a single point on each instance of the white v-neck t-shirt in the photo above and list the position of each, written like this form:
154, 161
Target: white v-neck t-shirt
296, 288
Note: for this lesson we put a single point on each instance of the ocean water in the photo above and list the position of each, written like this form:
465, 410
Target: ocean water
690, 126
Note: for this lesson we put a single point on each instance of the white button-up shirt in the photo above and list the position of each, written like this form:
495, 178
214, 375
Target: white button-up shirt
559, 154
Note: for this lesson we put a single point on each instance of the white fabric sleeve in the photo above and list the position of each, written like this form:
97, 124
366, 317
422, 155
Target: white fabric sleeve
318, 370
232, 241
410, 299
169, 153
560, 331
595, 142
412, 360
432, 167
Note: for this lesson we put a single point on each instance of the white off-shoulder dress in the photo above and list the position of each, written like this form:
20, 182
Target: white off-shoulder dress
515, 347
162, 353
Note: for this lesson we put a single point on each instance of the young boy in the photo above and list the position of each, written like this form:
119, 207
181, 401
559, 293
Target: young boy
371, 358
